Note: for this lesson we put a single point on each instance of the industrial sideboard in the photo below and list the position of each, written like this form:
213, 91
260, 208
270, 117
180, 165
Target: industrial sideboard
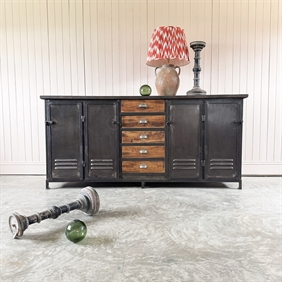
179, 138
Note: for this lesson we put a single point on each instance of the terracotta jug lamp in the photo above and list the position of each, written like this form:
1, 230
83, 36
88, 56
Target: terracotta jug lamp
168, 51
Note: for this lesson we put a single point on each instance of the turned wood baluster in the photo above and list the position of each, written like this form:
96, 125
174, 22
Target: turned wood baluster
88, 201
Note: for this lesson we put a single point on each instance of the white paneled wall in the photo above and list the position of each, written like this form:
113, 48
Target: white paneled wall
95, 47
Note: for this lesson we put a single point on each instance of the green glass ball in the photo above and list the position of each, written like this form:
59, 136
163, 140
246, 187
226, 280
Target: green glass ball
76, 231
145, 90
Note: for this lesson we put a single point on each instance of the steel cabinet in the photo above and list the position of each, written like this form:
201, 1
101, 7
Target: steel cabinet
144, 139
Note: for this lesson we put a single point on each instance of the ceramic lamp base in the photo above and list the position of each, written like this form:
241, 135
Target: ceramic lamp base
167, 80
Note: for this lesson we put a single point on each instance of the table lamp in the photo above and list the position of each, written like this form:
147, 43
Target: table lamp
168, 51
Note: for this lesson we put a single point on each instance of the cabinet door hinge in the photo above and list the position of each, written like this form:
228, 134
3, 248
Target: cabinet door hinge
83, 163
82, 118
203, 118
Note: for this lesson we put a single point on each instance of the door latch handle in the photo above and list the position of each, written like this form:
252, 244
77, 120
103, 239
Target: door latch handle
49, 122
238, 121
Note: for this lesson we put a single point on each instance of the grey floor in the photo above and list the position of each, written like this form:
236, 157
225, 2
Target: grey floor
193, 233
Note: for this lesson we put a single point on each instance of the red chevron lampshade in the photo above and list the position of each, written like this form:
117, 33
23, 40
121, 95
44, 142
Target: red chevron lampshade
168, 46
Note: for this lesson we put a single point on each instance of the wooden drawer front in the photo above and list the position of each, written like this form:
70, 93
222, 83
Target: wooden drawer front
143, 136
143, 152
146, 106
143, 121
143, 166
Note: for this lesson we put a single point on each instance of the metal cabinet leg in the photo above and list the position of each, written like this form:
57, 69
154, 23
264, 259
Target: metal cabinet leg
240, 185
142, 185
47, 184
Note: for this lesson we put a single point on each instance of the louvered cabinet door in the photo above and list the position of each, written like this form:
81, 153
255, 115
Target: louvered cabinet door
184, 134
101, 140
223, 135
64, 140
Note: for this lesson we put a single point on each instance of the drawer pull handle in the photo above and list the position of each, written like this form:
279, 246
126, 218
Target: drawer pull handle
143, 121
142, 106
143, 151
143, 136
143, 166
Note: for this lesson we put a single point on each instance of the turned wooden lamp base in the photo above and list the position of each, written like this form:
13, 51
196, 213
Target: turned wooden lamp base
197, 46
88, 201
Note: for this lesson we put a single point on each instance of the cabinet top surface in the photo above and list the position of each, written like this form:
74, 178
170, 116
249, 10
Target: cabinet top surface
177, 97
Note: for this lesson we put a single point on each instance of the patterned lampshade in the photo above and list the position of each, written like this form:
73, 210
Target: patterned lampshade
168, 46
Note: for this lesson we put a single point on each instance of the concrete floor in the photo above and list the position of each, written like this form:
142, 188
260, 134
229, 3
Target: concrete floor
210, 233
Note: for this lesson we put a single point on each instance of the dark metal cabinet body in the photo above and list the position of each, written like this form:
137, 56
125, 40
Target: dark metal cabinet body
81, 140
89, 139
64, 140
101, 140
205, 140
184, 140
223, 140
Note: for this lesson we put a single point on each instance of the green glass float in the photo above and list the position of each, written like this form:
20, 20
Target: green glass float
145, 90
76, 231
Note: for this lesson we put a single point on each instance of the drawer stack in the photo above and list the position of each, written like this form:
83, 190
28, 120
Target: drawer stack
143, 137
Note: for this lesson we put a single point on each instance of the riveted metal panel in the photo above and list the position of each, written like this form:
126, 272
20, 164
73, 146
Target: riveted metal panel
184, 134
223, 127
64, 140
101, 140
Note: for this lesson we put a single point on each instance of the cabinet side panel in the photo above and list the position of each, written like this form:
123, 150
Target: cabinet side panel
184, 140
101, 140
65, 141
222, 132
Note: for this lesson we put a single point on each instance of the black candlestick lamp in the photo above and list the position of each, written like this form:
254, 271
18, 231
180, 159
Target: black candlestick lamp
197, 46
